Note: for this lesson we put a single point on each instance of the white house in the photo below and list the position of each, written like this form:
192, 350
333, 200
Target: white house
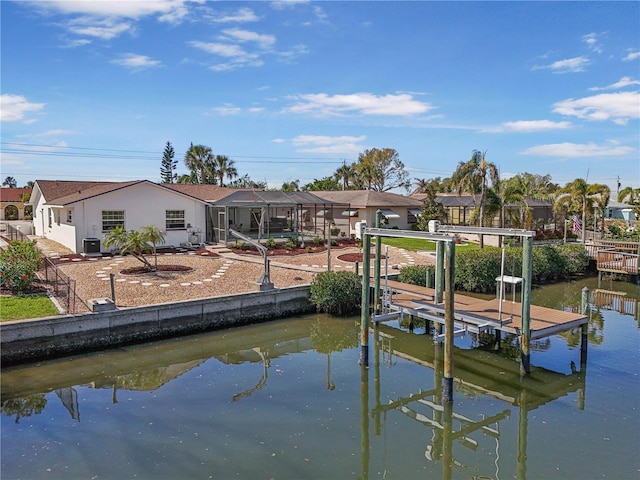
79, 214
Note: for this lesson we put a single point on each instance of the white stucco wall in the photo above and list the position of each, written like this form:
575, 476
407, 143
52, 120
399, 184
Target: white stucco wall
143, 205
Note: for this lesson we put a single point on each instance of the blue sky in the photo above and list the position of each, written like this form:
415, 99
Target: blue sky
93, 90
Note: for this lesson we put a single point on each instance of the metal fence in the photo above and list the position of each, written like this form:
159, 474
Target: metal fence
13, 233
62, 286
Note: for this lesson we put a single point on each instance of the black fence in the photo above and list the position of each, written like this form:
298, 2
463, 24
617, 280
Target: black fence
62, 286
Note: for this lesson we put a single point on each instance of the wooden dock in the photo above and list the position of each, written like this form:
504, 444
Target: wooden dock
476, 315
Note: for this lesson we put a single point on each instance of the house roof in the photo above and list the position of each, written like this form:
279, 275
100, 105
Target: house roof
207, 193
63, 193
615, 205
13, 194
259, 197
369, 198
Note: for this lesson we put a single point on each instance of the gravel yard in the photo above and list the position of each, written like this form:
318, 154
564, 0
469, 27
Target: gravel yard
210, 275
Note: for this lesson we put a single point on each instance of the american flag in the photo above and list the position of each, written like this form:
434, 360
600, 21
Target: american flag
576, 224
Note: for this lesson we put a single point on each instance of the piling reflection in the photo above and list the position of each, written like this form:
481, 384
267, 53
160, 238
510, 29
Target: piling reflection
477, 373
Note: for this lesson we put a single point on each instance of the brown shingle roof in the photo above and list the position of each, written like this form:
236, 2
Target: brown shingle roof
369, 198
208, 193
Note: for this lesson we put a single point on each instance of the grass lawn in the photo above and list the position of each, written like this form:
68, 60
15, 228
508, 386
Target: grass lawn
26, 306
416, 244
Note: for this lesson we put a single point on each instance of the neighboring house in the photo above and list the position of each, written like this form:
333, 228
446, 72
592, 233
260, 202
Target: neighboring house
460, 209
79, 214
622, 211
12, 205
399, 211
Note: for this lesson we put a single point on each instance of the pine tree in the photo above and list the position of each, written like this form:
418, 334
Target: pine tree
168, 166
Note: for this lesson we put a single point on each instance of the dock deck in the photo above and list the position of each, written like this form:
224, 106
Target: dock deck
477, 315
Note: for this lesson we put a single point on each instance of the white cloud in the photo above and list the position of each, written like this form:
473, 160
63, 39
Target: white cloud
241, 16
278, 140
14, 108
617, 107
578, 150
136, 62
227, 109
633, 55
592, 41
166, 10
49, 133
569, 65
109, 19
527, 126
104, 29
328, 145
263, 41
281, 4
623, 82
362, 102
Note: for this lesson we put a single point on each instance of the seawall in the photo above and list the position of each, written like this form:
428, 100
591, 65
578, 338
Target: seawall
31, 340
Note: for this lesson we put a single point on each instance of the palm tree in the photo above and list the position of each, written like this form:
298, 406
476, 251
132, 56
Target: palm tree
224, 167
346, 174
631, 196
196, 160
154, 236
577, 196
473, 177
367, 173
600, 202
135, 242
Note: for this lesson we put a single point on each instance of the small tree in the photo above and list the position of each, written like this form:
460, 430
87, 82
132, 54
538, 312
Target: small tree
19, 264
136, 243
168, 166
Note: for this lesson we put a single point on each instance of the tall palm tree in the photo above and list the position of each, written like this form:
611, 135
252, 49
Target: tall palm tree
196, 160
224, 167
345, 174
629, 195
577, 196
600, 202
474, 177
367, 173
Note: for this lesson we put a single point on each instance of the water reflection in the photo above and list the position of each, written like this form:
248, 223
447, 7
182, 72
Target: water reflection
295, 386
477, 372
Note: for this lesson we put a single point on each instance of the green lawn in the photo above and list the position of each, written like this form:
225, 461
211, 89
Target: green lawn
26, 306
417, 244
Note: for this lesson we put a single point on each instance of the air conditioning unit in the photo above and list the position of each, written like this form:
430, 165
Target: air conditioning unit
434, 225
90, 245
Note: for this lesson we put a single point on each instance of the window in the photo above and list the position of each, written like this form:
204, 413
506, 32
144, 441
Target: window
50, 217
112, 219
69, 216
175, 220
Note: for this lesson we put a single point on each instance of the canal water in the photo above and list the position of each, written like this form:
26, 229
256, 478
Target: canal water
288, 400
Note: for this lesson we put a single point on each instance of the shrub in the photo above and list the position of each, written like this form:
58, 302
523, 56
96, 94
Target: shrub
414, 274
289, 245
336, 293
576, 258
270, 243
477, 270
317, 241
18, 265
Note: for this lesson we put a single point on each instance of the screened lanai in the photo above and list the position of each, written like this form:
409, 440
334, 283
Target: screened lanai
279, 215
